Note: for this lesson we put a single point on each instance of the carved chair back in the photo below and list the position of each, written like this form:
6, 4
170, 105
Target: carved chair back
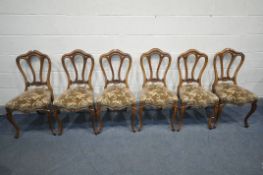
115, 77
34, 76
184, 59
161, 56
86, 67
220, 60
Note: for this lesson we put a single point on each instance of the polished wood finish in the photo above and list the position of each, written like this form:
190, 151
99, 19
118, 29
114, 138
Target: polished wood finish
148, 56
72, 56
115, 79
155, 78
190, 78
38, 80
225, 76
222, 76
28, 57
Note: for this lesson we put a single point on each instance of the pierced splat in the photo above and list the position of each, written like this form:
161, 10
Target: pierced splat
185, 58
149, 57
115, 78
78, 79
38, 78
224, 74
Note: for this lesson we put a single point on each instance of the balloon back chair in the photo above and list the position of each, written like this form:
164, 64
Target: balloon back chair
35, 68
190, 89
225, 84
116, 95
154, 90
79, 93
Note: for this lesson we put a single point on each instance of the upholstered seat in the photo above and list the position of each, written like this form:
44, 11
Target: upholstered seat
116, 96
156, 94
75, 98
231, 93
31, 100
196, 96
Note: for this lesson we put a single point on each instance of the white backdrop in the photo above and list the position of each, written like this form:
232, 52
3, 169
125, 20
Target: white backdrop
134, 26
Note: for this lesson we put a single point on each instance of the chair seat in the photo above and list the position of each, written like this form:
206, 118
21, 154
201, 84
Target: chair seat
31, 100
194, 95
156, 94
230, 93
75, 98
116, 97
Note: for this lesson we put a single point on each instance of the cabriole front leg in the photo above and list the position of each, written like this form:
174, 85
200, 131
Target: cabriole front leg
10, 118
252, 110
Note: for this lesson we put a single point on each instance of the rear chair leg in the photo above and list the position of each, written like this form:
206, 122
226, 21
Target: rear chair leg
212, 117
252, 110
99, 119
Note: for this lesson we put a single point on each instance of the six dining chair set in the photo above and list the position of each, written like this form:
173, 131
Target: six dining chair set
79, 96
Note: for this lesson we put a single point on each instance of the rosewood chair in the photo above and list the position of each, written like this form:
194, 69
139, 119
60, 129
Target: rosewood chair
38, 93
116, 95
79, 94
225, 85
190, 90
154, 91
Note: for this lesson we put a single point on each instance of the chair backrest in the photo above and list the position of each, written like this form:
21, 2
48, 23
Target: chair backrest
115, 78
35, 77
87, 63
185, 58
161, 56
224, 74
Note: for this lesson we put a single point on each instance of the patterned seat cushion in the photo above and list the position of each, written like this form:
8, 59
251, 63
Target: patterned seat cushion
75, 98
116, 97
194, 95
31, 100
156, 94
230, 93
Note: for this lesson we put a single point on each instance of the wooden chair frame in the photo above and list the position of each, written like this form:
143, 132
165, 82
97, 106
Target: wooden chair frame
227, 77
115, 80
28, 58
78, 80
198, 56
148, 56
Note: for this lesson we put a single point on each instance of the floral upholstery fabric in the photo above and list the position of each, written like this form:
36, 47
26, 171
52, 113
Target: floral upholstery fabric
31, 100
75, 98
230, 93
116, 96
194, 95
156, 94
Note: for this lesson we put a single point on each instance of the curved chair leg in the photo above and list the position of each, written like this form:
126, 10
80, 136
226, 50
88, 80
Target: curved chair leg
141, 110
173, 119
182, 113
60, 125
50, 123
92, 110
212, 117
99, 119
252, 110
12, 121
133, 116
